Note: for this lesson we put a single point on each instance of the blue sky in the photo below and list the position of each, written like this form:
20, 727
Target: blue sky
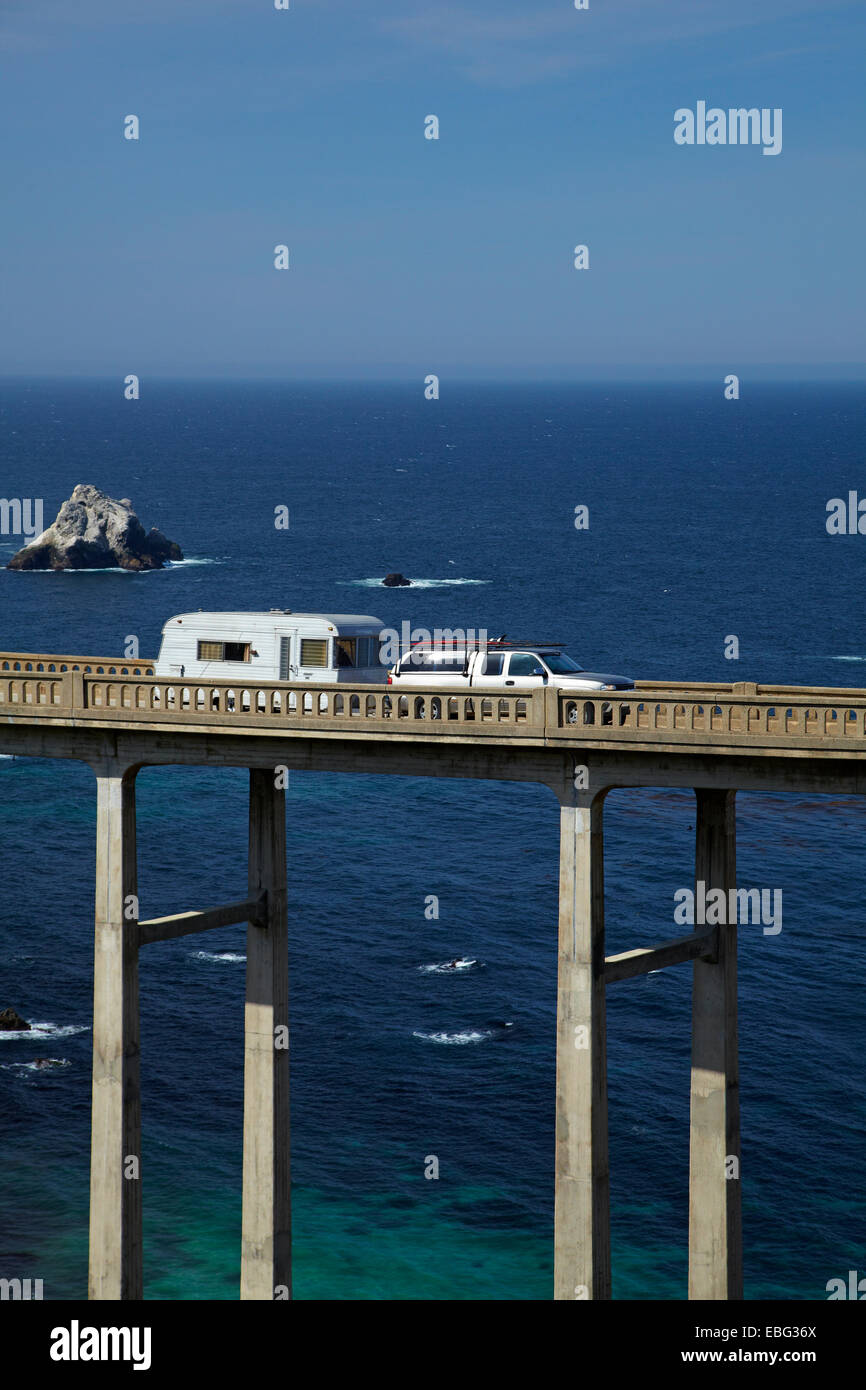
411, 256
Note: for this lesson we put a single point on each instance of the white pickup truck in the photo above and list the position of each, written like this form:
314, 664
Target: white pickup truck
495, 665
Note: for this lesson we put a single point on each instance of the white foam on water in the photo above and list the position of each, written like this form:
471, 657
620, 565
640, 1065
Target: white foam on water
55, 1064
178, 564
117, 569
415, 583
42, 1030
230, 956
445, 967
469, 1035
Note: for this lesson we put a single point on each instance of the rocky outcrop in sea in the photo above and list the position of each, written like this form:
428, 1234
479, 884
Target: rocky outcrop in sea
12, 1022
94, 531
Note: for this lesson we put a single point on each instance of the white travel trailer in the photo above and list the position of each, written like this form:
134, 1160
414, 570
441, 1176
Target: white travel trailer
249, 648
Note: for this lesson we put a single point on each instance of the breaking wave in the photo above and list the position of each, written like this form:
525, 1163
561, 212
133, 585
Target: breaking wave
42, 1064
179, 564
447, 967
415, 584
42, 1030
232, 957
469, 1035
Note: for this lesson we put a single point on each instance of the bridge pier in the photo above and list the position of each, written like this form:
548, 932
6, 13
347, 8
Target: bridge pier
116, 1269
582, 1205
115, 1160
715, 1208
582, 1200
266, 1222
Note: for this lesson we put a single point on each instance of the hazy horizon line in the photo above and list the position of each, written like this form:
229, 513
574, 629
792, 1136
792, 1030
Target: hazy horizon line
839, 373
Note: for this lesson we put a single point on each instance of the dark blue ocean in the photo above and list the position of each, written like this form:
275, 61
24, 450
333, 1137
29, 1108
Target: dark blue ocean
707, 519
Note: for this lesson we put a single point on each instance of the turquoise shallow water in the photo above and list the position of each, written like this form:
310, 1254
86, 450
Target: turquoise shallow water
372, 1098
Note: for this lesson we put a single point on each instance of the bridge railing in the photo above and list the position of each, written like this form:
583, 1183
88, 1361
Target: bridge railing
292, 704
109, 690
706, 714
100, 689
26, 662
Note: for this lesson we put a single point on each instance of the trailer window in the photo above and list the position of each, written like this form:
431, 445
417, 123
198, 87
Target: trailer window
223, 651
314, 651
346, 651
369, 651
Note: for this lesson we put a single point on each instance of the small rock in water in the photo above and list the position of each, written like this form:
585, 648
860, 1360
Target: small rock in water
395, 581
11, 1022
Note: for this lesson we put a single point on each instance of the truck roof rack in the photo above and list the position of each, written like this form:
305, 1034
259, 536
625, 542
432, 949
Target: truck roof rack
492, 643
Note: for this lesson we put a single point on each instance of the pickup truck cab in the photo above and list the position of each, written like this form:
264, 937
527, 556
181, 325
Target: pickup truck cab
496, 665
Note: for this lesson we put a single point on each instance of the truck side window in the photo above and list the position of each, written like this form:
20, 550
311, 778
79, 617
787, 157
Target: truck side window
524, 664
493, 664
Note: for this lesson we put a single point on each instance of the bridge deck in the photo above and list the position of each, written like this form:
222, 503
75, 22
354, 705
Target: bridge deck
124, 695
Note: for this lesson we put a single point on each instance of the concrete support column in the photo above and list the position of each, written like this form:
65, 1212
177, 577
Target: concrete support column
715, 1220
582, 1208
266, 1222
115, 1180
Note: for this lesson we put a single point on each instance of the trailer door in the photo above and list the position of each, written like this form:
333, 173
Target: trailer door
285, 658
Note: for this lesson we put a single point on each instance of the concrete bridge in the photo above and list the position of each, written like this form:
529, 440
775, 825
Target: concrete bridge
716, 739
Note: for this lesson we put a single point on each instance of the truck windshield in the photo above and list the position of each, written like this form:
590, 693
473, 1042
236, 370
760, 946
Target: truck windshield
559, 663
